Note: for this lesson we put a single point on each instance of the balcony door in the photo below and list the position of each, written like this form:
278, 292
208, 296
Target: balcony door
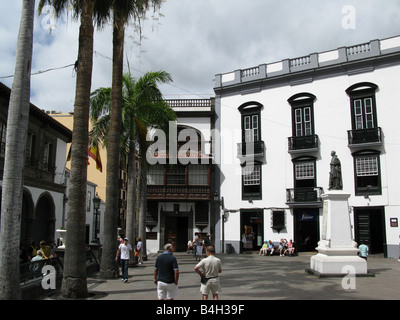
303, 135
251, 143
364, 115
251, 130
364, 119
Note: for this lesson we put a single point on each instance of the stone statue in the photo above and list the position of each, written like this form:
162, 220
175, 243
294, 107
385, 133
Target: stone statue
335, 175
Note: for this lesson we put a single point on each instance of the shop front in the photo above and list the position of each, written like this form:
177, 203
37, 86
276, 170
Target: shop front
306, 231
251, 228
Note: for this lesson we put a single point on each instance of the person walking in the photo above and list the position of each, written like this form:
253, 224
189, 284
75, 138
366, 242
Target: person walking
166, 274
139, 247
208, 269
125, 254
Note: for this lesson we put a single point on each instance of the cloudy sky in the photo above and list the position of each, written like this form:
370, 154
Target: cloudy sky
194, 40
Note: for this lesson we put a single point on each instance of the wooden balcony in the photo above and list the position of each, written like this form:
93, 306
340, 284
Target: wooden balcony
303, 144
304, 196
178, 192
365, 137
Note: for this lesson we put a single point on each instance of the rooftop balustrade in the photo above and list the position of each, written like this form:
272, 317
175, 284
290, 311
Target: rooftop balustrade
313, 61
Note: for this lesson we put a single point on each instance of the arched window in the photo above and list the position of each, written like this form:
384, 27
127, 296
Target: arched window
363, 105
252, 144
364, 120
303, 135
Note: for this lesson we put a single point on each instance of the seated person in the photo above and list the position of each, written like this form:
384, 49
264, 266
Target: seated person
46, 251
189, 246
263, 250
282, 247
270, 248
289, 248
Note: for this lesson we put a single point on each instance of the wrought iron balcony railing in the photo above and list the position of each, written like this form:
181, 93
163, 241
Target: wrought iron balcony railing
303, 143
304, 195
250, 149
365, 136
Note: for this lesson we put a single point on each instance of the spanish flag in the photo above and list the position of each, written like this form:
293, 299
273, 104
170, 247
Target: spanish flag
94, 153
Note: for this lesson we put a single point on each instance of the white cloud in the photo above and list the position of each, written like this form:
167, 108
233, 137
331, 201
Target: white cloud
196, 39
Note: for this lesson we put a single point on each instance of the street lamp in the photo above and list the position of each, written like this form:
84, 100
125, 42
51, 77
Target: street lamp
96, 227
223, 215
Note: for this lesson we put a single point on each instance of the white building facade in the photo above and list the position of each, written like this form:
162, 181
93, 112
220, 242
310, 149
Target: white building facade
278, 124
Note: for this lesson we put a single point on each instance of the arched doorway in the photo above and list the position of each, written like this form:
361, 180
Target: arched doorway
26, 219
43, 226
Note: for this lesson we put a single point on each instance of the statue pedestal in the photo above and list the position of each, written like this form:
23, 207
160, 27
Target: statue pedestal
337, 252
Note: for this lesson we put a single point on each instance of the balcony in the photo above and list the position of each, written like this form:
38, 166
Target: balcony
304, 196
250, 149
178, 192
365, 137
303, 144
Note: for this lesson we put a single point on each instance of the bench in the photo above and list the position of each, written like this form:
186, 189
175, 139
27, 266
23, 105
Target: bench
277, 250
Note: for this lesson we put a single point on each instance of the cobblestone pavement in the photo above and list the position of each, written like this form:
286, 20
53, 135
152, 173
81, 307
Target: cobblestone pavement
254, 277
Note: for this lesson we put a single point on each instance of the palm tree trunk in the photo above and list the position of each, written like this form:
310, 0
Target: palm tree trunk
109, 268
17, 127
74, 277
143, 198
131, 193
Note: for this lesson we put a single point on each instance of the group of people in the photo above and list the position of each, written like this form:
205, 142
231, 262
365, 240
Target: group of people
125, 257
45, 251
166, 269
38, 257
166, 274
198, 245
284, 247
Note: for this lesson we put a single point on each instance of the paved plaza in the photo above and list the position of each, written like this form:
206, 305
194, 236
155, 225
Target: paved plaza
254, 277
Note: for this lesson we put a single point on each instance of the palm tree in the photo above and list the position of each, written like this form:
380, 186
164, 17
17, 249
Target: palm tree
151, 111
123, 10
17, 128
74, 283
143, 107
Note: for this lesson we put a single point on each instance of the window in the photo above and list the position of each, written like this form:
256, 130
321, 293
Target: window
278, 220
251, 144
155, 175
252, 176
363, 105
30, 149
176, 174
251, 128
363, 114
251, 181
48, 159
304, 172
302, 114
198, 174
367, 173
303, 135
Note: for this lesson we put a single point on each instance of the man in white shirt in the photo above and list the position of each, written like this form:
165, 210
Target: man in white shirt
126, 258
208, 269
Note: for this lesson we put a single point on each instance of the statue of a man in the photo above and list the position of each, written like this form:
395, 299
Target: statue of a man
335, 175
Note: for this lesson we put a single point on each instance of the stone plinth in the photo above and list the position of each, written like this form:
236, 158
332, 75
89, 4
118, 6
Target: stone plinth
337, 252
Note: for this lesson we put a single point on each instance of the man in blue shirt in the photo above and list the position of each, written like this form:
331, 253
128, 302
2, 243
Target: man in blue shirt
363, 250
166, 274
